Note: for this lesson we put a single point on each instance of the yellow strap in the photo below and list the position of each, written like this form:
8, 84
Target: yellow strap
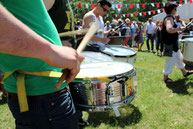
59, 74
6, 75
21, 92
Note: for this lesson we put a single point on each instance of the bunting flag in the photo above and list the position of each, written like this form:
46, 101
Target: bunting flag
79, 5
136, 14
119, 6
86, 5
137, 5
127, 15
119, 15
164, 4
152, 4
131, 6
158, 11
157, 5
131, 15
145, 13
112, 15
93, 6
149, 12
140, 14
163, 10
180, 2
123, 15
143, 5
113, 6
190, 1
153, 11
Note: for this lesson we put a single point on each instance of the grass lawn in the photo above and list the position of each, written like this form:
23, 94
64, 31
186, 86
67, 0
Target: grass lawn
156, 105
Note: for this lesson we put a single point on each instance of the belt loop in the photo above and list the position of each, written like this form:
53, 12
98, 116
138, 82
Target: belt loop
21, 92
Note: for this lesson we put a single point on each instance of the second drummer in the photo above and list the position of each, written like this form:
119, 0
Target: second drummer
99, 40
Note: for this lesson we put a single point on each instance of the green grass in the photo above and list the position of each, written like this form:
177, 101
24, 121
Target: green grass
156, 105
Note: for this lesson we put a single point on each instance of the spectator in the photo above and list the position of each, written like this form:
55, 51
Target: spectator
107, 27
170, 39
139, 31
128, 38
150, 33
133, 28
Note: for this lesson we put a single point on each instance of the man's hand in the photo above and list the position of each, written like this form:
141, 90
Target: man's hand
67, 58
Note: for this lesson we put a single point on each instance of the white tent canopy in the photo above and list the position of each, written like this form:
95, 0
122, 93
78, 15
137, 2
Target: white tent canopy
185, 11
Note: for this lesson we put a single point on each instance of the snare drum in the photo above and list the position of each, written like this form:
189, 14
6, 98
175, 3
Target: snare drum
187, 51
120, 53
101, 86
95, 57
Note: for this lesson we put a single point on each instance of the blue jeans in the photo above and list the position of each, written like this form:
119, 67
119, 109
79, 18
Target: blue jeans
57, 112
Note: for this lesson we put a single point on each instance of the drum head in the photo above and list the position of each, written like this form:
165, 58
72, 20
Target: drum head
95, 57
104, 69
119, 51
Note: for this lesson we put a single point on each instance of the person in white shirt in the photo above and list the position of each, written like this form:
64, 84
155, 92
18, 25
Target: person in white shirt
150, 33
99, 40
108, 26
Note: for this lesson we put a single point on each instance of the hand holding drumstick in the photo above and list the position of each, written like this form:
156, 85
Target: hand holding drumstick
69, 75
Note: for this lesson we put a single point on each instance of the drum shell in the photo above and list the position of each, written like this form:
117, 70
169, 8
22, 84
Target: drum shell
94, 95
187, 52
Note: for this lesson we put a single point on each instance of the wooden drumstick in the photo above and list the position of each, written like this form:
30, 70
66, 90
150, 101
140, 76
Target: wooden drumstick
83, 31
92, 30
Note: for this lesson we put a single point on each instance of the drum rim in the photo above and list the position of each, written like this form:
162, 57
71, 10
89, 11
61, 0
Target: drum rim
133, 70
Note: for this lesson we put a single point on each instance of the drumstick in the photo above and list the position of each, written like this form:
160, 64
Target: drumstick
83, 31
82, 45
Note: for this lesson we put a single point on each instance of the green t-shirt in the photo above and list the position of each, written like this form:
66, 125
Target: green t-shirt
33, 14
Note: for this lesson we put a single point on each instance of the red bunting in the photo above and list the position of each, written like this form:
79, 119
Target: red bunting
190, 1
131, 6
127, 15
143, 5
131, 22
157, 5
136, 14
119, 6
116, 19
145, 13
180, 2
112, 15
79, 5
163, 10
119, 15
153, 11
93, 6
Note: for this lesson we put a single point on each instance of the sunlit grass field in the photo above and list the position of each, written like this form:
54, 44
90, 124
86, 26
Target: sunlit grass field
156, 105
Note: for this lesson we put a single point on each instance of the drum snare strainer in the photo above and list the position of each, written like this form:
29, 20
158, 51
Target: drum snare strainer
101, 86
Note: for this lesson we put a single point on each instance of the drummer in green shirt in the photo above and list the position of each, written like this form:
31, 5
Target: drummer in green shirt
29, 43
